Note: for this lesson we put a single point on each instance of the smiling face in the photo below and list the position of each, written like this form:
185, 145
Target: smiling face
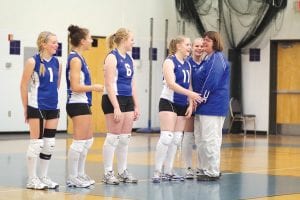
50, 45
87, 42
129, 42
197, 47
184, 48
208, 45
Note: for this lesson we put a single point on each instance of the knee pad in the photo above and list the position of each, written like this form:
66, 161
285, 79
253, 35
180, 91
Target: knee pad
88, 144
166, 137
78, 145
35, 147
49, 133
124, 139
177, 138
48, 149
112, 140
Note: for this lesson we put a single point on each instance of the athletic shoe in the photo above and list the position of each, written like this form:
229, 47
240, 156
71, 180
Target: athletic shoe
110, 179
174, 177
86, 178
208, 178
189, 173
77, 182
50, 184
157, 178
36, 184
126, 177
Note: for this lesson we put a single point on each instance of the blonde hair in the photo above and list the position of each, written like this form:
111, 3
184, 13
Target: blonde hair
173, 44
115, 39
42, 39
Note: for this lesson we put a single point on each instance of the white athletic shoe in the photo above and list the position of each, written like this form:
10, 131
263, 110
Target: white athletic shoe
156, 178
189, 173
50, 184
110, 179
126, 177
86, 178
77, 182
36, 184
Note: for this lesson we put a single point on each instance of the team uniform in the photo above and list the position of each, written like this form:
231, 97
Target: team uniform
42, 104
119, 142
212, 82
122, 85
188, 140
171, 101
78, 104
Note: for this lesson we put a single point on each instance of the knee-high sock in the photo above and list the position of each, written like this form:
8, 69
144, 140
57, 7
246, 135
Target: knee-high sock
82, 158
75, 150
187, 148
109, 146
171, 153
162, 146
122, 152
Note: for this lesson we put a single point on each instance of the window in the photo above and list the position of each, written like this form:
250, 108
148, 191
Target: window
254, 55
136, 53
14, 47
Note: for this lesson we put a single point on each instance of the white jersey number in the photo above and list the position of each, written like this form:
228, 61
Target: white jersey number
51, 74
128, 69
186, 76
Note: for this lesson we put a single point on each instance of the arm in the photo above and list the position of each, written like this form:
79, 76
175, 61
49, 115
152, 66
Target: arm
27, 72
75, 70
168, 72
217, 66
59, 75
110, 67
135, 101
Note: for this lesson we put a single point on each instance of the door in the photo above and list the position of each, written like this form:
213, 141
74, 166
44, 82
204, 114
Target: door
95, 60
288, 88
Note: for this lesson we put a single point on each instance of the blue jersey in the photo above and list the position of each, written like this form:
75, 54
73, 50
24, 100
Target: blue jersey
194, 67
182, 74
123, 80
85, 79
212, 81
44, 84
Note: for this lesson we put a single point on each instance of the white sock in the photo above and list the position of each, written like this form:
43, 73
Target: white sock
109, 146
162, 146
122, 152
187, 148
44, 165
33, 151
75, 150
83, 155
171, 153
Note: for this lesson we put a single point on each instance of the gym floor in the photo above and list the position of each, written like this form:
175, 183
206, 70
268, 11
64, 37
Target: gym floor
253, 167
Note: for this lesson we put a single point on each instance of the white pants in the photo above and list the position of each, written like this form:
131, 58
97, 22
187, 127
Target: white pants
208, 138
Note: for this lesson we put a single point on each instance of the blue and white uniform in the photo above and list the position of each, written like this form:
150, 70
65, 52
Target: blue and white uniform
85, 79
43, 85
182, 73
211, 80
124, 74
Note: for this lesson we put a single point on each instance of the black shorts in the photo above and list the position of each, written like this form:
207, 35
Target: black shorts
166, 105
42, 114
75, 109
125, 102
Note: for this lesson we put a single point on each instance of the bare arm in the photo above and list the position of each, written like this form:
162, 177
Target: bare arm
110, 66
135, 101
27, 72
75, 71
168, 71
59, 75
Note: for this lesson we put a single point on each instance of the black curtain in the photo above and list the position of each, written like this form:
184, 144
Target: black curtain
267, 9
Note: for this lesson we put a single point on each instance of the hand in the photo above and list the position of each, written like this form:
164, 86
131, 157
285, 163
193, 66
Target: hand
98, 87
117, 114
189, 111
136, 114
195, 97
25, 115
